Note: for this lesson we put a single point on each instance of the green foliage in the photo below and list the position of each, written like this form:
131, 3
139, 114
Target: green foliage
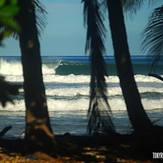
8, 10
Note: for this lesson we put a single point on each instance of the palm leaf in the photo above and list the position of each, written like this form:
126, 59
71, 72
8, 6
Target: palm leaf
8, 9
40, 15
99, 112
39, 11
7, 91
153, 35
133, 5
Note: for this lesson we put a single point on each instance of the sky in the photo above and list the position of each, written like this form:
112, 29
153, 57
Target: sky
65, 33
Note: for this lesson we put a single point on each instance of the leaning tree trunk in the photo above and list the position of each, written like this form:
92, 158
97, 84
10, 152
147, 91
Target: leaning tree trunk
38, 132
136, 112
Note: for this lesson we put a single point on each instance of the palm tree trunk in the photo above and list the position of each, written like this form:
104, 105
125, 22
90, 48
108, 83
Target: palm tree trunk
38, 130
136, 112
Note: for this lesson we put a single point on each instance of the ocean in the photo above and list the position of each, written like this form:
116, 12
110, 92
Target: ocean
67, 79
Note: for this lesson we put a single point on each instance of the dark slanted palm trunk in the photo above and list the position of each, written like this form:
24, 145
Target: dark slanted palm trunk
38, 131
137, 115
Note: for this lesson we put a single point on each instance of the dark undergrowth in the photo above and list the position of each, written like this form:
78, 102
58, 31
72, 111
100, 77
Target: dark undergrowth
97, 148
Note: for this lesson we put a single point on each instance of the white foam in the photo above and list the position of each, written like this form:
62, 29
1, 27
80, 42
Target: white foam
78, 105
13, 70
146, 84
67, 78
71, 105
18, 106
68, 91
10, 68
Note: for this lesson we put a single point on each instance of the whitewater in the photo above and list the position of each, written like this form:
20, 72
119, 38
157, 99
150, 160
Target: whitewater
68, 99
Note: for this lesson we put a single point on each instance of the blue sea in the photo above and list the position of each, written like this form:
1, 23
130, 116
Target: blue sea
67, 79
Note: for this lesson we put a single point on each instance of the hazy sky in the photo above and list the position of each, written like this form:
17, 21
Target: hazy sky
65, 34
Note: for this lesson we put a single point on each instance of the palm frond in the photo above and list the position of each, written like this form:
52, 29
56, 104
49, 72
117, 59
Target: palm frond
40, 15
8, 25
99, 112
39, 11
133, 5
7, 91
153, 35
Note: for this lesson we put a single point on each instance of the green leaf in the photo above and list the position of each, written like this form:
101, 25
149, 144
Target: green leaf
10, 23
14, 2
7, 33
9, 11
2, 2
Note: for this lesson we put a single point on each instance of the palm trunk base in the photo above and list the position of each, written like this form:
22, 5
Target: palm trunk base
37, 140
